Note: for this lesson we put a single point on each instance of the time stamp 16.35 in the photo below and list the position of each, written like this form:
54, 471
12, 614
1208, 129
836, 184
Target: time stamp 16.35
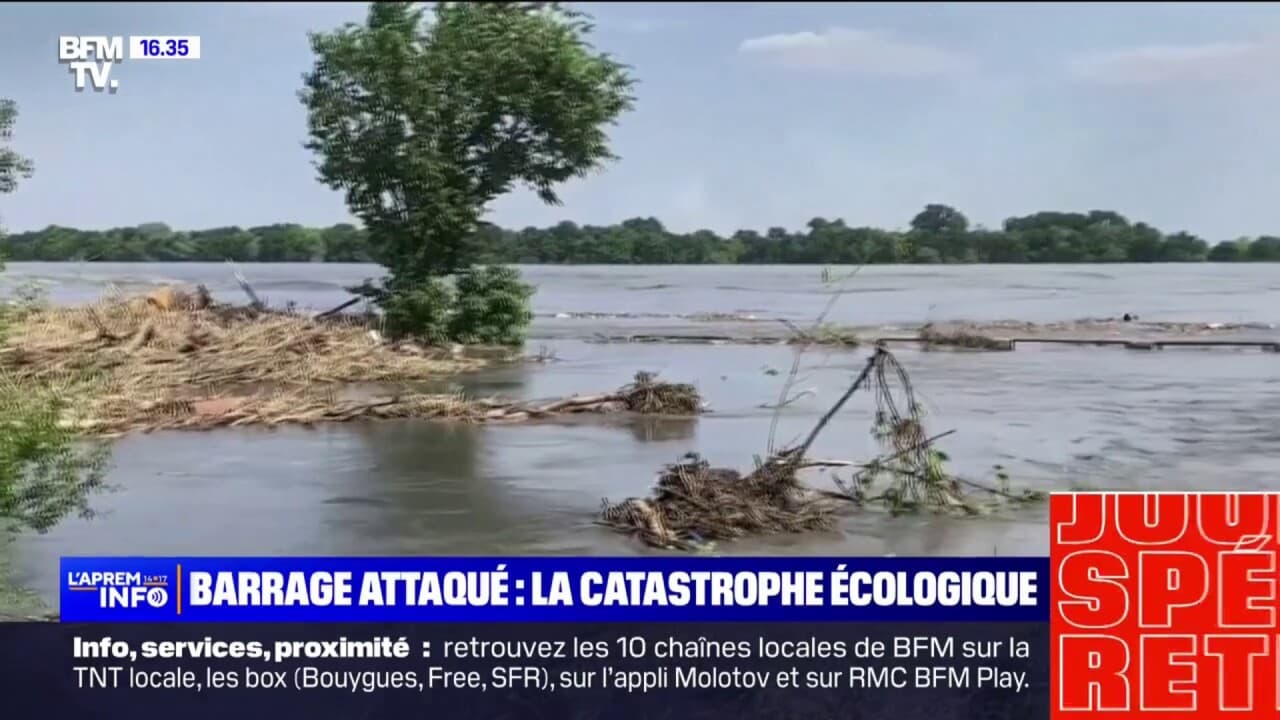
91, 58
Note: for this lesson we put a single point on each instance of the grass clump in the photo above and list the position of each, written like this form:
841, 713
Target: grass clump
828, 334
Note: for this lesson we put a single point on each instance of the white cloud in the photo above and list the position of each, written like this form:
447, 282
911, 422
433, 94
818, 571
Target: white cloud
1219, 63
847, 50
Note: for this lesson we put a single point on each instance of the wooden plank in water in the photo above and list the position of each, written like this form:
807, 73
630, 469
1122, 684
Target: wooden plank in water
1071, 341
1264, 344
1132, 344
1004, 343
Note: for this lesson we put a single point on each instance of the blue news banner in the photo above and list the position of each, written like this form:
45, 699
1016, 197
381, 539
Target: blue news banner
626, 638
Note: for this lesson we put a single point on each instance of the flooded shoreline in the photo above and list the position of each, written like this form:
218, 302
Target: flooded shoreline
881, 296
419, 488
1057, 418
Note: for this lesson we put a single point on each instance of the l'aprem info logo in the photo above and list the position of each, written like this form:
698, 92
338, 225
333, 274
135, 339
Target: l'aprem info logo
92, 58
122, 589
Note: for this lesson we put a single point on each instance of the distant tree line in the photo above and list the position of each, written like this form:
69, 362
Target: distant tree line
938, 234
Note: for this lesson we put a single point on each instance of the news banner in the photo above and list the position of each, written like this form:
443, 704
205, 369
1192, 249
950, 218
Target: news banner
1159, 604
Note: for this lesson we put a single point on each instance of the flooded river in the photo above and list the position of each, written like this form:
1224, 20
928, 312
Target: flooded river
1055, 418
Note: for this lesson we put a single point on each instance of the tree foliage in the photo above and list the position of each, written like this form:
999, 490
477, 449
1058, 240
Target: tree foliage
13, 167
1044, 237
45, 472
938, 219
423, 117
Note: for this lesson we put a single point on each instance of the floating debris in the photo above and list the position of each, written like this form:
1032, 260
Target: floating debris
647, 395
932, 337
694, 502
120, 414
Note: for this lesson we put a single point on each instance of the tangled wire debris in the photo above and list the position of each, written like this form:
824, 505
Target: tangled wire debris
910, 475
694, 503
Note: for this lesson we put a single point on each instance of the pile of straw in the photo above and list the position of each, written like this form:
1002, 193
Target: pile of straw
175, 361
140, 347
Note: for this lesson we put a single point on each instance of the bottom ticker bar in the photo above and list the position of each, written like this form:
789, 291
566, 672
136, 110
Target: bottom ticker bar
938, 671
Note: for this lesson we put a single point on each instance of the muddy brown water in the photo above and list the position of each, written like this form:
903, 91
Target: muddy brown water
1055, 417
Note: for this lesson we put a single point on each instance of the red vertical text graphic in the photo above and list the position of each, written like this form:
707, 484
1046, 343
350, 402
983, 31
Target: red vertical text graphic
1164, 604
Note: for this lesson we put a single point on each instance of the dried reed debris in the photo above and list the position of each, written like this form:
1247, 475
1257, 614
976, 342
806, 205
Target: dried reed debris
694, 502
117, 414
934, 337
175, 360
159, 343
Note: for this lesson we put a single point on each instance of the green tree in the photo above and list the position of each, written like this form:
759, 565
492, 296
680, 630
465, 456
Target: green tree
1000, 247
1225, 251
1144, 244
13, 167
344, 243
1043, 237
940, 219
287, 243
1184, 247
422, 123
226, 243
1265, 249
927, 256
44, 472
939, 233
1230, 250
884, 247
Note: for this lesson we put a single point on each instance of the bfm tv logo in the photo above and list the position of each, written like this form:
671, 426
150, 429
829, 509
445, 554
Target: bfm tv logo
122, 589
1164, 604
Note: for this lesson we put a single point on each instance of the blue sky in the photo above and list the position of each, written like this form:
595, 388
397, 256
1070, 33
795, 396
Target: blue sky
748, 115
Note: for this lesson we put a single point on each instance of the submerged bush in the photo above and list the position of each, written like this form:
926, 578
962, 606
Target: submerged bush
46, 472
492, 307
487, 305
420, 311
